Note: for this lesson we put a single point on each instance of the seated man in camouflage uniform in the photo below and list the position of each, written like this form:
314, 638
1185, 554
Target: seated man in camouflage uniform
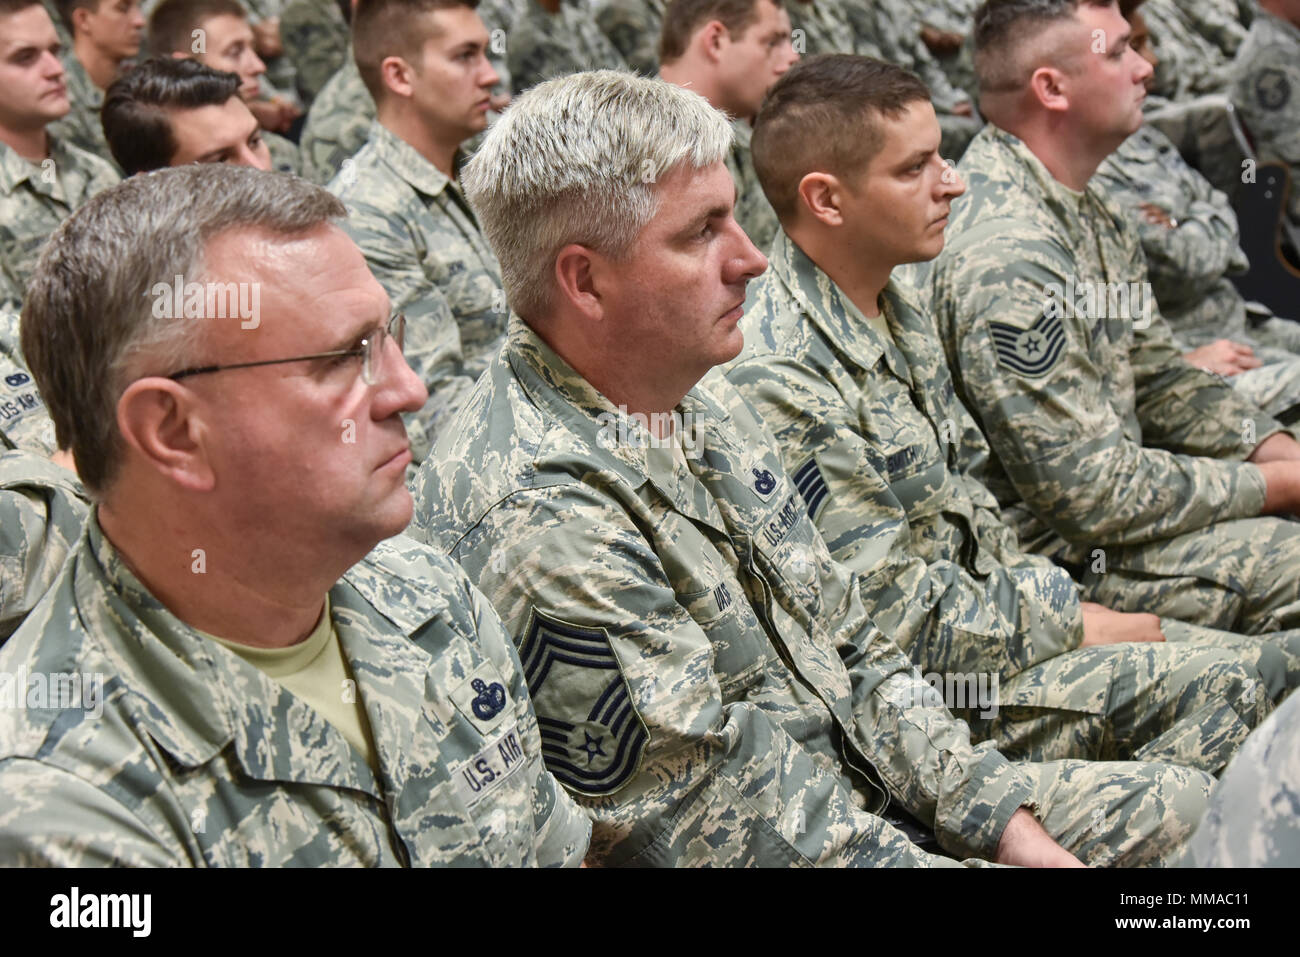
705, 673
892, 33
424, 63
1189, 235
42, 178
1112, 454
106, 34
844, 366
169, 112
731, 52
315, 37
339, 122
553, 37
633, 26
273, 686
225, 43
1266, 89
1187, 97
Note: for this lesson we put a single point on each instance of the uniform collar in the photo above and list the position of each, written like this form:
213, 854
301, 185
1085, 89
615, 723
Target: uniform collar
79, 81
1070, 208
555, 386
67, 186
834, 314
196, 698
405, 160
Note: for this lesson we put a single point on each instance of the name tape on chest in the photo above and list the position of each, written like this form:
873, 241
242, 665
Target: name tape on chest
486, 771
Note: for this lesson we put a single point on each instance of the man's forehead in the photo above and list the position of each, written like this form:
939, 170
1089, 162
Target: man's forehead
915, 130
452, 26
1108, 20
224, 124
31, 26
226, 27
695, 190
317, 279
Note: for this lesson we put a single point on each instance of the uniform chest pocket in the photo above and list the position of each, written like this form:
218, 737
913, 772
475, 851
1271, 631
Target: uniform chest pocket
740, 646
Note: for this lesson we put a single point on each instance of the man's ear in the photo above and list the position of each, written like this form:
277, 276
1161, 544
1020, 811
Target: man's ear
162, 422
577, 277
1049, 85
396, 75
713, 39
820, 195
79, 18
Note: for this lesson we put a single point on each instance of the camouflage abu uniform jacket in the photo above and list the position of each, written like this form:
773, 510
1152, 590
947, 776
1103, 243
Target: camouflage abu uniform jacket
1078, 405
337, 123
542, 45
1266, 89
315, 39
42, 510
1189, 264
870, 427
200, 759
422, 243
36, 197
754, 213
871, 432
1252, 819
633, 26
704, 673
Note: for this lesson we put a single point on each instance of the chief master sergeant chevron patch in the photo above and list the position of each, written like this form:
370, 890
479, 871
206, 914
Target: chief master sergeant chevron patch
594, 753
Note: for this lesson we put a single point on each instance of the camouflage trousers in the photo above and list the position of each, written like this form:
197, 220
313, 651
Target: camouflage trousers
1275, 385
1241, 577
1189, 704
1106, 813
1252, 820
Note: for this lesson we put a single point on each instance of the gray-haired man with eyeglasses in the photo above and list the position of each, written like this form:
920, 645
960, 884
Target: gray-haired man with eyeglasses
232, 669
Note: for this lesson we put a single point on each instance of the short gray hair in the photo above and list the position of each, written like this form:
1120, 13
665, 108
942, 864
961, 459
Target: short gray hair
576, 160
88, 325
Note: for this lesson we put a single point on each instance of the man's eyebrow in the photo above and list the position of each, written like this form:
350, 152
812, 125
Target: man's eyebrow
1124, 39
715, 212
353, 338
916, 156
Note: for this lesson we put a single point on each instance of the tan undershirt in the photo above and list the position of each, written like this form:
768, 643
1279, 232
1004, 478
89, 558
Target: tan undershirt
315, 670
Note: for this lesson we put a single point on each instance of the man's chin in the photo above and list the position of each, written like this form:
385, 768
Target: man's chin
393, 517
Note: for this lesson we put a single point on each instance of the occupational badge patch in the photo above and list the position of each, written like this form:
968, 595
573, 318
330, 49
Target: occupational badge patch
1272, 89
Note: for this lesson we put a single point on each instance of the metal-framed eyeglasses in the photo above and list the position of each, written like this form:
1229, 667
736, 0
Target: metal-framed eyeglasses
370, 350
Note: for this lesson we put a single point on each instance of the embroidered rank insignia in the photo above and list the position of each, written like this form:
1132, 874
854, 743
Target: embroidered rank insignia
810, 482
592, 736
482, 697
1272, 89
1029, 352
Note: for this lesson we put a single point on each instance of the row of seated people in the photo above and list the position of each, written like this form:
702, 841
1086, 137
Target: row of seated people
729, 507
